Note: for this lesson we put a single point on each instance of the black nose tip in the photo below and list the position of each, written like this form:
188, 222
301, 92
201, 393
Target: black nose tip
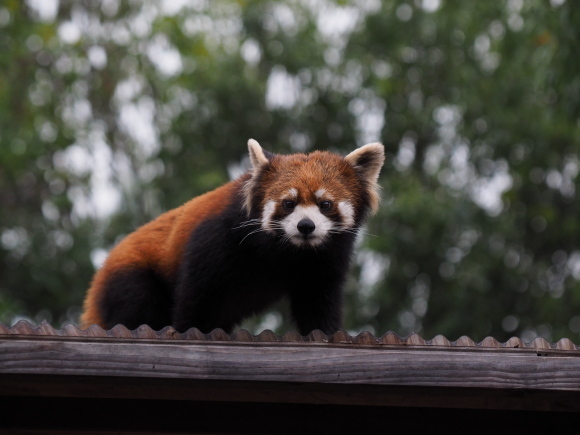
306, 226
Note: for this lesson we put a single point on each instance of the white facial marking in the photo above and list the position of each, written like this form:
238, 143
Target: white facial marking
267, 214
322, 223
347, 212
293, 193
320, 193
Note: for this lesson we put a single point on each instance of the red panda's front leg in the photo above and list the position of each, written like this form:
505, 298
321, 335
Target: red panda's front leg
315, 307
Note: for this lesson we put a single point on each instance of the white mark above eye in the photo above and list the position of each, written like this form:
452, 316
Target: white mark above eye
320, 193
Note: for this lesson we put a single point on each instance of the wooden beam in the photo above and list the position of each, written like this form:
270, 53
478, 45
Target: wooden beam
301, 372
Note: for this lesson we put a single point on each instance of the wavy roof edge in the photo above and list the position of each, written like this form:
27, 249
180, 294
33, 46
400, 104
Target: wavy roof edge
243, 336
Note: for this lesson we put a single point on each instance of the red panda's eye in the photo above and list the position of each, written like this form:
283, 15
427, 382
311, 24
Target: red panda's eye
325, 205
288, 205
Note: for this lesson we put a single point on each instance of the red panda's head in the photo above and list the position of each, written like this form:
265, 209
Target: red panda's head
307, 197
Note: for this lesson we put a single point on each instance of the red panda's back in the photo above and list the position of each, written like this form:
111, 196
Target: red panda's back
157, 245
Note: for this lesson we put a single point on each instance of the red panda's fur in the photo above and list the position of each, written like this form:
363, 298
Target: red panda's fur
215, 259
158, 244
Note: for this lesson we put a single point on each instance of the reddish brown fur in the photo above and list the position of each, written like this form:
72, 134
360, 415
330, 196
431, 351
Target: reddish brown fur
309, 173
158, 244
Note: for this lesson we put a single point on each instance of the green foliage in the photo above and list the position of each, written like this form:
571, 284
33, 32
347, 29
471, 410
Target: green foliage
112, 112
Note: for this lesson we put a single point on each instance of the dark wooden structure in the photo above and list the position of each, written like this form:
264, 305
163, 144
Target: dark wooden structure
145, 381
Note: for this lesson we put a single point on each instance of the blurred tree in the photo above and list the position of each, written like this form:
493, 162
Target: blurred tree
112, 112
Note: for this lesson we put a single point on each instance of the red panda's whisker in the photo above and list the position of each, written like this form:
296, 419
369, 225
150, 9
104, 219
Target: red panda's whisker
248, 223
259, 230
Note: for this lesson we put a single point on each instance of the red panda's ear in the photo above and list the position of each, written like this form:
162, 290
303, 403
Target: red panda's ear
368, 161
258, 159
257, 156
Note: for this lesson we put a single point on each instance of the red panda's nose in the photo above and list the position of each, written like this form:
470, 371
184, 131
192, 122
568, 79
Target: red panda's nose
306, 226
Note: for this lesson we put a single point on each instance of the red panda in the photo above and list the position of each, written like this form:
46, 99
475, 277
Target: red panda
286, 228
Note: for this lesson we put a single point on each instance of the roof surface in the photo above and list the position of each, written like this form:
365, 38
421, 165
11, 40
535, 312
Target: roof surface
23, 328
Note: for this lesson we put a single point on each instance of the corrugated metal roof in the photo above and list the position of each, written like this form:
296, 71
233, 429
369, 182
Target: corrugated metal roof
242, 336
